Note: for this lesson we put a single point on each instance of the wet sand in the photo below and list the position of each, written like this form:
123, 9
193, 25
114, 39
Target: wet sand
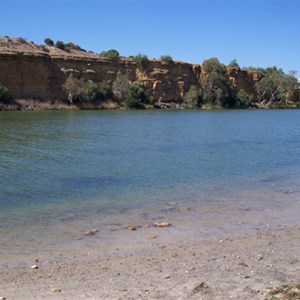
242, 267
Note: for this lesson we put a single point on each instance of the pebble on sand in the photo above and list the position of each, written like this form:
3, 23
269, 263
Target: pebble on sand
151, 237
162, 224
91, 232
55, 290
132, 228
34, 267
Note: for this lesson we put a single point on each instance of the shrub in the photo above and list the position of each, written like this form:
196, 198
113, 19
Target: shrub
234, 64
132, 102
74, 88
120, 87
167, 59
3, 93
60, 45
97, 92
193, 97
137, 96
22, 40
48, 42
243, 99
110, 54
69, 46
141, 61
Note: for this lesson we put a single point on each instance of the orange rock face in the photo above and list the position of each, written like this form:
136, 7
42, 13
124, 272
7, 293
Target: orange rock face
245, 80
32, 71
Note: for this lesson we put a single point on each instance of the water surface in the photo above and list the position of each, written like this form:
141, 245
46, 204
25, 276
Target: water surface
62, 173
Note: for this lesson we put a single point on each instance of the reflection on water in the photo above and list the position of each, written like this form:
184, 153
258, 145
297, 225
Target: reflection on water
65, 172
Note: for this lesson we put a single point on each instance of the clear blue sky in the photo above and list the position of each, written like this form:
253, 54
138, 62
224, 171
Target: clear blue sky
256, 33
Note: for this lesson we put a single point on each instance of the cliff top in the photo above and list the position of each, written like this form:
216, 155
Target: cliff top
20, 45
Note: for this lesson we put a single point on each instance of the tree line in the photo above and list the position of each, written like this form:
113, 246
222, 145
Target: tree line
130, 95
274, 87
214, 89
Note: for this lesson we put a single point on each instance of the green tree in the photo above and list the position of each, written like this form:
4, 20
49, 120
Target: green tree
137, 96
110, 54
243, 99
70, 45
60, 45
3, 94
192, 97
167, 59
234, 64
22, 40
141, 61
275, 86
120, 87
216, 83
48, 42
74, 88
97, 92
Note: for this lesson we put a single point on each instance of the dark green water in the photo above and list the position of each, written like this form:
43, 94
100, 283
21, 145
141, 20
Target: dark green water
62, 173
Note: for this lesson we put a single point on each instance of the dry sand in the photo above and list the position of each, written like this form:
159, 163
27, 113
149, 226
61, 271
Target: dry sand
246, 267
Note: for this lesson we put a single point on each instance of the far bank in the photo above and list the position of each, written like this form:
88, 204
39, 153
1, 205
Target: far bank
52, 77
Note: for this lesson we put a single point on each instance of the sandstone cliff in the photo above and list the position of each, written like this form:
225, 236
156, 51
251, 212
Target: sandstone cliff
242, 79
32, 71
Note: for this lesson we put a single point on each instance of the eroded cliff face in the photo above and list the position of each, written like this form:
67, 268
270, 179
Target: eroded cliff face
39, 72
242, 79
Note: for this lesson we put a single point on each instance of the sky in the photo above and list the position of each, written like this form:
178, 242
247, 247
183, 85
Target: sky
257, 33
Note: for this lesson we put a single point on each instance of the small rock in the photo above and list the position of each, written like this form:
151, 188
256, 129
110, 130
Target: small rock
260, 257
2, 298
162, 224
91, 232
151, 237
243, 265
55, 290
34, 267
131, 228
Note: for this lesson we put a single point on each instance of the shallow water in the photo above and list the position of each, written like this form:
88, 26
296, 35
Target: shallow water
212, 172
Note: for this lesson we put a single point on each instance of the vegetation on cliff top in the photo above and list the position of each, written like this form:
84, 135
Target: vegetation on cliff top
110, 54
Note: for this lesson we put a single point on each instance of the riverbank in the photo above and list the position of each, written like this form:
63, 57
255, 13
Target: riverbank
247, 267
34, 105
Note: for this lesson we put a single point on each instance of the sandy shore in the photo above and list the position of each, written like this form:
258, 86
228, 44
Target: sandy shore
247, 267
